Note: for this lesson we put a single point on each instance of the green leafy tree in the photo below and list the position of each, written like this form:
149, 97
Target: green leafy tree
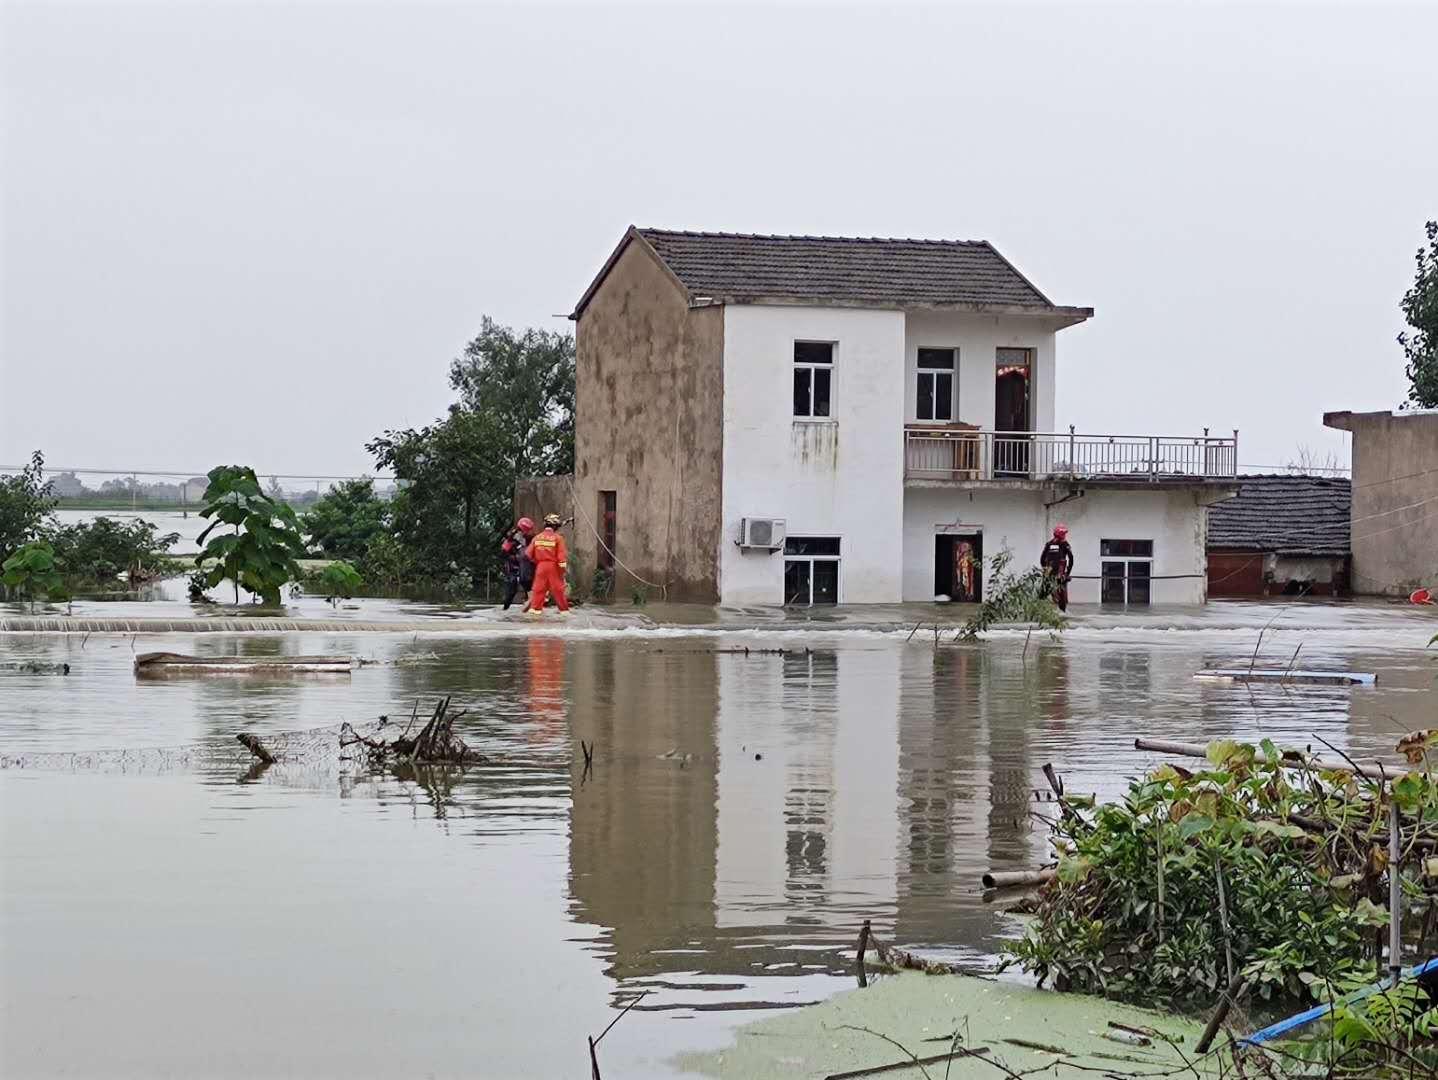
524, 385
105, 548
346, 519
25, 505
340, 581
265, 540
33, 569
1420, 308
454, 497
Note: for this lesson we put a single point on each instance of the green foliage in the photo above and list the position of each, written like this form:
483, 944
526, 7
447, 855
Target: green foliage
387, 564
346, 519
602, 586
524, 383
33, 569
259, 552
514, 418
103, 549
1010, 597
1102, 928
25, 505
1420, 309
339, 581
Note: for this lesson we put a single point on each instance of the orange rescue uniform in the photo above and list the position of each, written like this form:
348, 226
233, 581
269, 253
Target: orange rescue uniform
550, 558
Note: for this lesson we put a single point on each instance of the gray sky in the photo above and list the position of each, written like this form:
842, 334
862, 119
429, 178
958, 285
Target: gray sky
258, 233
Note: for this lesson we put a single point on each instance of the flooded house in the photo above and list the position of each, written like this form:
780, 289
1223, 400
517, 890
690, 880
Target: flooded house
766, 420
1395, 498
1282, 535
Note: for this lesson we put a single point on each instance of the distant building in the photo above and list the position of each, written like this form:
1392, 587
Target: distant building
1395, 498
814, 420
1282, 535
66, 485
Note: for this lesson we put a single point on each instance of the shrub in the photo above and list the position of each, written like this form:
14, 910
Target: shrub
1010, 597
33, 569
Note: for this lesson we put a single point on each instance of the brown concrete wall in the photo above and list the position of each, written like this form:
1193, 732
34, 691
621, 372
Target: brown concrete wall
649, 400
1395, 498
535, 496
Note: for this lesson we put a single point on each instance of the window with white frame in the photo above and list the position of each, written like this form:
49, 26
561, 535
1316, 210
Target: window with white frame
1126, 571
811, 570
813, 379
935, 384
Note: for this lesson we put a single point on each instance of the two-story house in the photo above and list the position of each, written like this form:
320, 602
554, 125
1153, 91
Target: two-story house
804, 420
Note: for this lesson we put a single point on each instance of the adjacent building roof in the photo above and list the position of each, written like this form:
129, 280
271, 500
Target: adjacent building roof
1286, 514
740, 268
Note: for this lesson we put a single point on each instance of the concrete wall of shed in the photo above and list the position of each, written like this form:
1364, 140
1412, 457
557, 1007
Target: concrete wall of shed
1395, 488
1237, 573
535, 496
649, 399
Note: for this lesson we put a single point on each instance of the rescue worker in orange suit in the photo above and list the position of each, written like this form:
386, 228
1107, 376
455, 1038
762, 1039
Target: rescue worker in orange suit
1057, 561
551, 560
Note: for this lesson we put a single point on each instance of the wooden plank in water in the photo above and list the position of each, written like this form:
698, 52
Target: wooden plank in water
1328, 678
165, 663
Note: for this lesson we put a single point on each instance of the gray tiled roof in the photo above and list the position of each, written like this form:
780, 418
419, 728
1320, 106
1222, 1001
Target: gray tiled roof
1291, 515
742, 268
737, 267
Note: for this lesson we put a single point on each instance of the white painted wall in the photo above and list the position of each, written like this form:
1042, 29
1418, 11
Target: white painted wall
842, 477
1173, 520
978, 339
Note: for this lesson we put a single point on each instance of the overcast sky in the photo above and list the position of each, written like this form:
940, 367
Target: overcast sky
258, 233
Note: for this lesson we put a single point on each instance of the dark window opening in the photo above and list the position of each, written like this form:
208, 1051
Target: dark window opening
813, 378
608, 528
811, 570
1127, 573
935, 384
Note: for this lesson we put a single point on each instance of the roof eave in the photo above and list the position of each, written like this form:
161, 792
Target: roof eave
1063, 315
631, 235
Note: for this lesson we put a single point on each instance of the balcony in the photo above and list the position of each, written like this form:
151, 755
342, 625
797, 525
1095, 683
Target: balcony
957, 454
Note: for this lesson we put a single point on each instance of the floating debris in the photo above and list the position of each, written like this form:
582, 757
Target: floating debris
166, 664
1321, 678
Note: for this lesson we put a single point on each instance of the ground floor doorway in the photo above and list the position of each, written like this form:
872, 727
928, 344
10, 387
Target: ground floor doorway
958, 568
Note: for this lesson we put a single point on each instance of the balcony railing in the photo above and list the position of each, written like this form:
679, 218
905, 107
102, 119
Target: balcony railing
957, 454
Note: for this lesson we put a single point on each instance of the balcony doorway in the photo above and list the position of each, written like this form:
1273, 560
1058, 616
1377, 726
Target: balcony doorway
958, 567
1013, 411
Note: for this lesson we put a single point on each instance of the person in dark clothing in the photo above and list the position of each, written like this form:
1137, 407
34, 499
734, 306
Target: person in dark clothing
1057, 561
518, 570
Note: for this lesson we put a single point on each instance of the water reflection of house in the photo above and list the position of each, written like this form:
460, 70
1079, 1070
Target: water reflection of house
808, 823
643, 830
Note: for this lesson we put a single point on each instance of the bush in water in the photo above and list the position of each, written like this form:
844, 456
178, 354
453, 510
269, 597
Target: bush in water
260, 552
25, 505
33, 569
346, 519
1246, 863
339, 581
102, 549
1010, 597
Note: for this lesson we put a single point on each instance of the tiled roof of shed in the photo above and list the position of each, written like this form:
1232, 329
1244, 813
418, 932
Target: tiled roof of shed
842, 271
1290, 515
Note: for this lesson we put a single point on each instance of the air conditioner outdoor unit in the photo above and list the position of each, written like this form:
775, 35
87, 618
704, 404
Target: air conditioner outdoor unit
767, 534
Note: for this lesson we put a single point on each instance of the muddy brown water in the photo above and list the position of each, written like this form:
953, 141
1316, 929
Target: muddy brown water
167, 910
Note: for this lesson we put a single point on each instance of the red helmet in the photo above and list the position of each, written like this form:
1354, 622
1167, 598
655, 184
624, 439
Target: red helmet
1061, 531
526, 526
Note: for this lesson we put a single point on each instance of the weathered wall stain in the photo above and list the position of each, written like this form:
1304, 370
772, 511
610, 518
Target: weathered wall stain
815, 445
649, 426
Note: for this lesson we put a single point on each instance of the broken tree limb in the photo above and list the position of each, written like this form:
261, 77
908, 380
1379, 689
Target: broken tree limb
862, 949
1007, 879
909, 1063
436, 743
1374, 770
254, 746
1230, 995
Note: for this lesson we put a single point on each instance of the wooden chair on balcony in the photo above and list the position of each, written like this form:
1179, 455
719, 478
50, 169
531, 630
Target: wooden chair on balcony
965, 448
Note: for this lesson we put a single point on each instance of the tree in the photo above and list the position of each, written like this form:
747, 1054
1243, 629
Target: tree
102, 549
514, 417
25, 505
261, 550
340, 581
345, 519
525, 385
1420, 308
33, 569
454, 491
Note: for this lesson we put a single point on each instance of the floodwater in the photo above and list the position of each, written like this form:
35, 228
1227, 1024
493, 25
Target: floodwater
168, 910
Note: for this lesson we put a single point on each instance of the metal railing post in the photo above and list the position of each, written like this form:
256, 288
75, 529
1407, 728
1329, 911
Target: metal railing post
1235, 453
1072, 468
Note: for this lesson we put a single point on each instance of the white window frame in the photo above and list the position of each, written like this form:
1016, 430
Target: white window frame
799, 365
1128, 561
837, 560
920, 373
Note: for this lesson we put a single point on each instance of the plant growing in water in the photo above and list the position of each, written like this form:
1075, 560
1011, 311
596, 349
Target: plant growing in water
339, 581
260, 551
1011, 597
33, 569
